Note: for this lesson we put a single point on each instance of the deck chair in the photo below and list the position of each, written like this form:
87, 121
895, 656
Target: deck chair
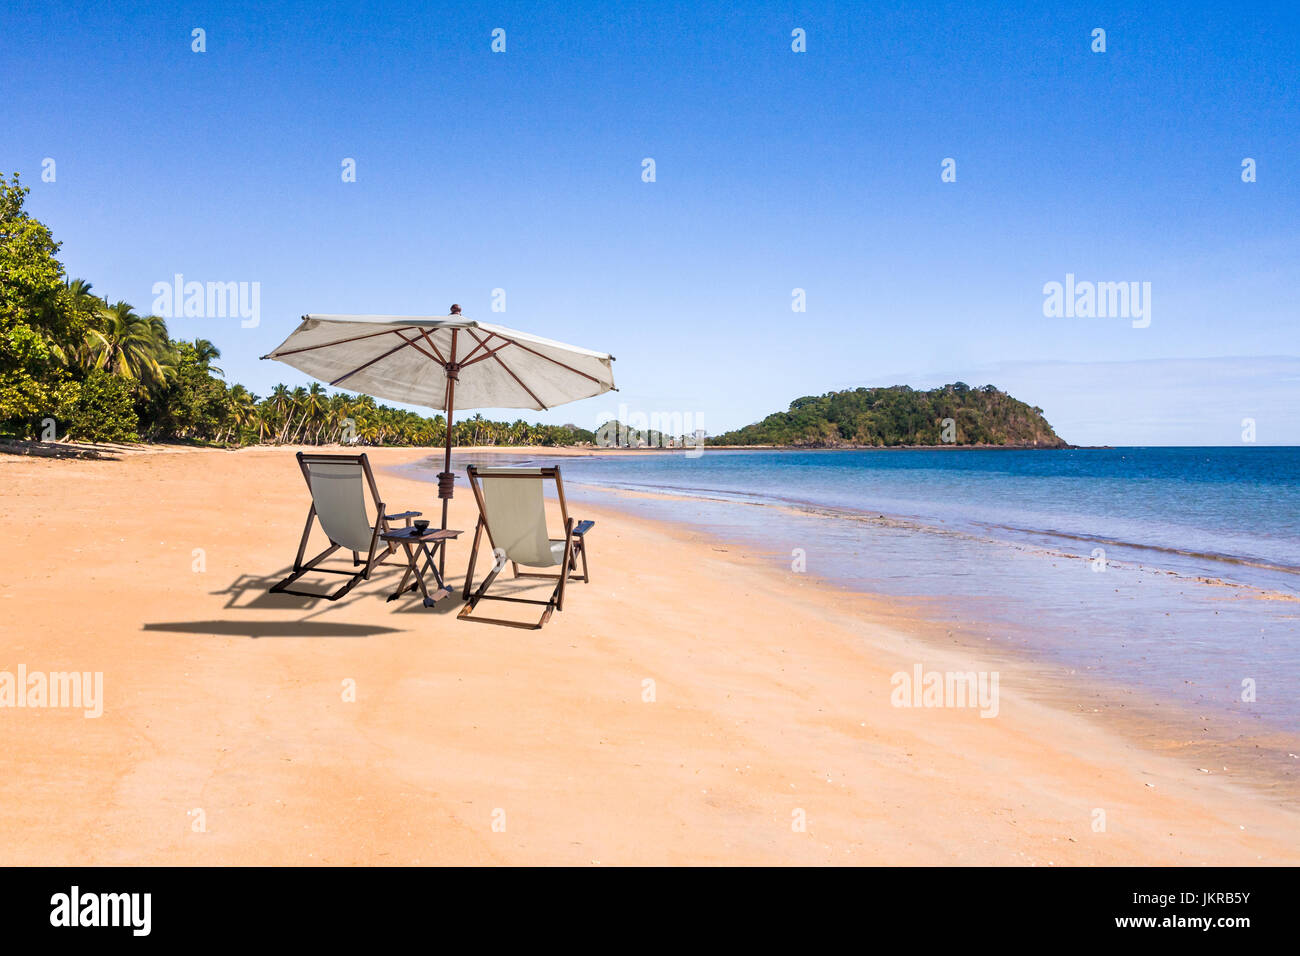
338, 484
512, 512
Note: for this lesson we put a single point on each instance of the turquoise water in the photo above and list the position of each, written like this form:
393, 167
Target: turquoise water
1090, 557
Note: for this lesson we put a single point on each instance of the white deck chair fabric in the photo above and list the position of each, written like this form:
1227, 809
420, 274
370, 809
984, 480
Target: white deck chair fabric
339, 496
512, 513
516, 514
338, 486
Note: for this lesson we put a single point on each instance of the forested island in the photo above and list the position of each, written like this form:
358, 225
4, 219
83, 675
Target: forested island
899, 416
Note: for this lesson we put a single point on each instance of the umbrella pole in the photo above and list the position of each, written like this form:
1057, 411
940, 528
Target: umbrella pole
446, 499
447, 480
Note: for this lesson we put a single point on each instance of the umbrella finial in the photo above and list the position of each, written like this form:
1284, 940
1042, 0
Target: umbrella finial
455, 310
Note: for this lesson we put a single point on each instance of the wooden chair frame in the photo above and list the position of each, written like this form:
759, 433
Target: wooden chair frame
381, 526
575, 547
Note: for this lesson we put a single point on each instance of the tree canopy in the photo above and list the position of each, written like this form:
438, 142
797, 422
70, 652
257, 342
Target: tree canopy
955, 414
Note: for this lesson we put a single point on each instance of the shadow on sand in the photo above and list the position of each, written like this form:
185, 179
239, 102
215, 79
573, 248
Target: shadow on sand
52, 449
309, 628
251, 592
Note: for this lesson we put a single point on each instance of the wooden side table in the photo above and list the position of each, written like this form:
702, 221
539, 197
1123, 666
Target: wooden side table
419, 546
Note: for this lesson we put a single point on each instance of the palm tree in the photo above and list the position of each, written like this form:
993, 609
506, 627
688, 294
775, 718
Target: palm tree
280, 403
320, 412
81, 298
207, 353
384, 423
166, 352
241, 408
311, 407
83, 303
263, 420
476, 428
130, 346
79, 292
313, 416
297, 405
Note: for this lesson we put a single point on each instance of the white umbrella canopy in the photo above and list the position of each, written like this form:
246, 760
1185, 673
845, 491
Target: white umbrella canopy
444, 362
412, 359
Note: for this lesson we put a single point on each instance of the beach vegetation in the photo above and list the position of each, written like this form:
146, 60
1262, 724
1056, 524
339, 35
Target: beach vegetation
102, 371
901, 416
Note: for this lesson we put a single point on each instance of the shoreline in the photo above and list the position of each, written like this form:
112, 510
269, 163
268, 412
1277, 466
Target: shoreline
99, 450
11, 449
1163, 726
813, 509
771, 698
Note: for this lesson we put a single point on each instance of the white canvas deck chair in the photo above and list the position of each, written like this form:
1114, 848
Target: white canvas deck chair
512, 511
338, 485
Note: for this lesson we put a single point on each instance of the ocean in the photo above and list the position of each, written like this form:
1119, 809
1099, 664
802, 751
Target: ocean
1174, 572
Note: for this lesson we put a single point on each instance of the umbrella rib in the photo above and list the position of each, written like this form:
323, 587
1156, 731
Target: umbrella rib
487, 355
395, 348
464, 361
325, 345
415, 344
510, 372
425, 333
555, 361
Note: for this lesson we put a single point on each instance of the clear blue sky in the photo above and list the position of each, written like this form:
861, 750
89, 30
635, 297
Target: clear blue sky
775, 170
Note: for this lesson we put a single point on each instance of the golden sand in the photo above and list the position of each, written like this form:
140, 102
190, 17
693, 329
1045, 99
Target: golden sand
227, 735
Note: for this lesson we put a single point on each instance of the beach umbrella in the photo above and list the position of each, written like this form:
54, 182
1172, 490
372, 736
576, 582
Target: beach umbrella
444, 362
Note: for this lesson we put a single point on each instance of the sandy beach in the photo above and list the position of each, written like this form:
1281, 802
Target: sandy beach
227, 735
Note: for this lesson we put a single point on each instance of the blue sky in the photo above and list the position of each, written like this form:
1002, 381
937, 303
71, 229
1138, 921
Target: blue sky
775, 170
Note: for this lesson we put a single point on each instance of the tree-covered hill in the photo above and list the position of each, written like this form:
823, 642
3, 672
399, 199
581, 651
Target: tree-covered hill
898, 415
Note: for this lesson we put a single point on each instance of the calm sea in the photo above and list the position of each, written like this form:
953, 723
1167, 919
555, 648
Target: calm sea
1170, 570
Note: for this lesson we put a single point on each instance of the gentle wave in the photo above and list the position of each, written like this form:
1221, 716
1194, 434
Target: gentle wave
911, 521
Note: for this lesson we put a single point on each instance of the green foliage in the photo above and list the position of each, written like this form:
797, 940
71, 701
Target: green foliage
132, 346
105, 372
581, 436
38, 320
100, 408
190, 403
899, 415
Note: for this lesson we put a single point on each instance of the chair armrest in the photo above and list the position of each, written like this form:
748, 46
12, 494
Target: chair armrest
404, 514
581, 528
